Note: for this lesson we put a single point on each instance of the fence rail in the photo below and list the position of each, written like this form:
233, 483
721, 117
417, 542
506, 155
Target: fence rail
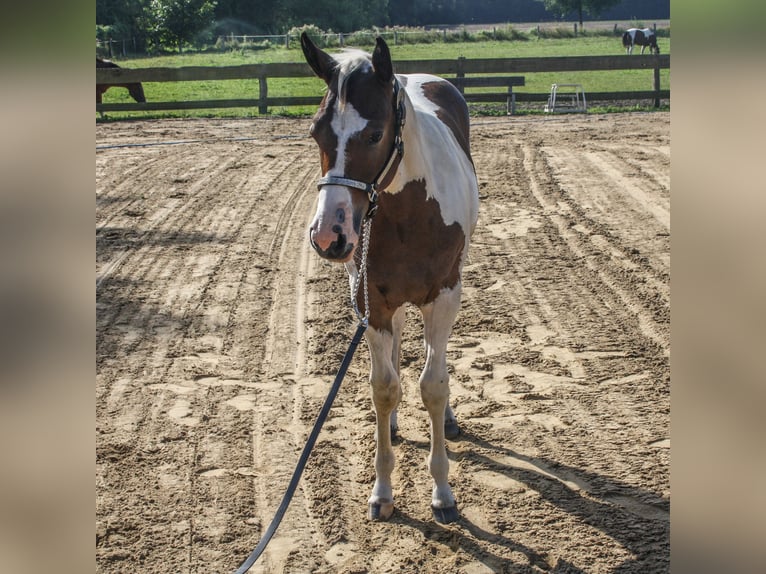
458, 67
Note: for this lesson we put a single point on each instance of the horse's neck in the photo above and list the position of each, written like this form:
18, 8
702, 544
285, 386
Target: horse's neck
412, 163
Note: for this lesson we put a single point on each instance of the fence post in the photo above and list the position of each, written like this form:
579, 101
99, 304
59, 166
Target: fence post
460, 73
656, 81
340, 39
287, 40
575, 26
263, 92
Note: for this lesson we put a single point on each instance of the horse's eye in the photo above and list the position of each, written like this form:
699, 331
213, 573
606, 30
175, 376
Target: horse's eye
376, 137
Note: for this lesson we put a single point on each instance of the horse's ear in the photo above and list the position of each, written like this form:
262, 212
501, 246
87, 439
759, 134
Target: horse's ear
321, 62
381, 61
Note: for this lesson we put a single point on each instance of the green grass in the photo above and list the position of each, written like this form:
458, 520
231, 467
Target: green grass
618, 80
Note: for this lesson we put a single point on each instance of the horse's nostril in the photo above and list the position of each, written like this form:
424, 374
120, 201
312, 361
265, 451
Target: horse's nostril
337, 229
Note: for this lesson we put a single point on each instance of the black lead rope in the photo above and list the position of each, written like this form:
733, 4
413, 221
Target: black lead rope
371, 189
255, 554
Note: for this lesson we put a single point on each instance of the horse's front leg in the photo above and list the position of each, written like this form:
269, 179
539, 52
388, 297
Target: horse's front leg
386, 392
438, 318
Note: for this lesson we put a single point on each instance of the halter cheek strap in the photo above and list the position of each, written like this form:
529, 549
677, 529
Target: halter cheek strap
386, 174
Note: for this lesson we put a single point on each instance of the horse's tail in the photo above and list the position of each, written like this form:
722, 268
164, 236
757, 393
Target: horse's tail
625, 39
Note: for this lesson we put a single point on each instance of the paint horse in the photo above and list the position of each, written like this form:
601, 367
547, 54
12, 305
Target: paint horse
135, 88
397, 147
644, 38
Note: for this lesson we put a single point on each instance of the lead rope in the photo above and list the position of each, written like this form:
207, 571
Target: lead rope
361, 328
362, 274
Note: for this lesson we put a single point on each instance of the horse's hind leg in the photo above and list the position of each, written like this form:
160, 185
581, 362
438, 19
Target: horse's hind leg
397, 322
386, 392
451, 428
438, 318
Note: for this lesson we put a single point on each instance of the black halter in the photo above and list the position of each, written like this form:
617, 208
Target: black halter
397, 151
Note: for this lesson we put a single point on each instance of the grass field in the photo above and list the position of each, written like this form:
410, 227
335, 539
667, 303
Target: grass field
621, 80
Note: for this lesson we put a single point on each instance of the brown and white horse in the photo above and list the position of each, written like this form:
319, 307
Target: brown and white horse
135, 89
644, 38
397, 146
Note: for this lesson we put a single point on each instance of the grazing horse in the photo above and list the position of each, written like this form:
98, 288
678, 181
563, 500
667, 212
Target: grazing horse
397, 147
643, 38
135, 88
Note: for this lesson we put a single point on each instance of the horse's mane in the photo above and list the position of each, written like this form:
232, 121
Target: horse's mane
349, 61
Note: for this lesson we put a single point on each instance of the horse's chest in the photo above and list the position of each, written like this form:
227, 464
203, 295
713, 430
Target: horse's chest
414, 254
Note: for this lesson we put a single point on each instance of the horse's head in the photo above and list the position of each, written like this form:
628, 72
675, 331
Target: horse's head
355, 128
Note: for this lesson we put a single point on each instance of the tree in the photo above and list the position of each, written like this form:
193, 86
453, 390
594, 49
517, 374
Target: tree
123, 20
338, 15
564, 7
180, 21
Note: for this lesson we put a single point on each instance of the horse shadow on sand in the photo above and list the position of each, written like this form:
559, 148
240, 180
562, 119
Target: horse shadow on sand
637, 519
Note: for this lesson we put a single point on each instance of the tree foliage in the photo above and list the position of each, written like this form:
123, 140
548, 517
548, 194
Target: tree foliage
124, 19
163, 24
563, 8
338, 15
175, 22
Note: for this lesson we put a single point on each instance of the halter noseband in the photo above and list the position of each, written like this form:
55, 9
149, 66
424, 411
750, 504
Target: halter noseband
382, 180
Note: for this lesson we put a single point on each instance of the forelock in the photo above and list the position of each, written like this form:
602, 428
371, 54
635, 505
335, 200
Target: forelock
349, 61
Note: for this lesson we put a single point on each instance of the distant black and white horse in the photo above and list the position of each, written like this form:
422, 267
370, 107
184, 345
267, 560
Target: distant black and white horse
645, 37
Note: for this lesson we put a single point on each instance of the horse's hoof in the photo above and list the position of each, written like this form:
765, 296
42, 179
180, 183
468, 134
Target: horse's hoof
380, 511
451, 429
445, 515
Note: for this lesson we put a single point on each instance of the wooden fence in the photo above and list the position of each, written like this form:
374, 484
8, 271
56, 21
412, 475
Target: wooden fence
448, 68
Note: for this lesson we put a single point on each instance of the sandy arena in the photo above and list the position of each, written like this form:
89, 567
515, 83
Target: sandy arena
219, 332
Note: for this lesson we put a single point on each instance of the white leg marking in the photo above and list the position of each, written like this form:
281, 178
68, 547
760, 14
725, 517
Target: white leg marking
438, 318
386, 392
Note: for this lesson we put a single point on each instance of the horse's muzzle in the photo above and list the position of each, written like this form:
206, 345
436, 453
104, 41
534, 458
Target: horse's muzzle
339, 250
